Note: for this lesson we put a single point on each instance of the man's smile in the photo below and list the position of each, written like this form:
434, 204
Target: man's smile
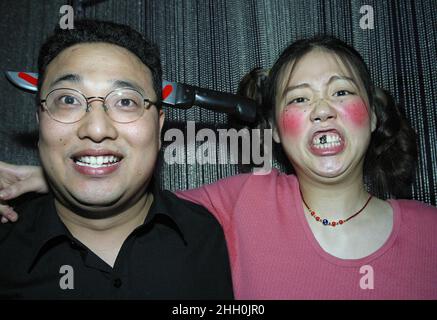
96, 161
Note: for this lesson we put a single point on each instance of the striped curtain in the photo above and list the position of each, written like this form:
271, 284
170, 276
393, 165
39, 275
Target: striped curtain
214, 43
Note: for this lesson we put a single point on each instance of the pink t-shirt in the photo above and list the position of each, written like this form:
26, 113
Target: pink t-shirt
274, 254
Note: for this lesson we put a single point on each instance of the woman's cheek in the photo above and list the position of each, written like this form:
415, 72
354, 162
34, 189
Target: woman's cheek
291, 122
356, 112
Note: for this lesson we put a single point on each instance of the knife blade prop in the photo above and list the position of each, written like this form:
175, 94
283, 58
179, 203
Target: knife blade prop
174, 94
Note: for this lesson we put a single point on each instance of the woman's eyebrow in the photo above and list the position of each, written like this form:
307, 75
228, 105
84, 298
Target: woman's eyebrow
298, 86
337, 77
306, 85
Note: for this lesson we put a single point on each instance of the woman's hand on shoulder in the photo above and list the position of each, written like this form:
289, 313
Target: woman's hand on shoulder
17, 180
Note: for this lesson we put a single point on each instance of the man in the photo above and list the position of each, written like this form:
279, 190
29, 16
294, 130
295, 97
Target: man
106, 231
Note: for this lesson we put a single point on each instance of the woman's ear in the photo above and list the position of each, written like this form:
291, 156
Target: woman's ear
381, 99
373, 120
275, 131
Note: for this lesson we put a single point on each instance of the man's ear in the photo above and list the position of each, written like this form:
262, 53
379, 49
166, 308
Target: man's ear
161, 115
37, 121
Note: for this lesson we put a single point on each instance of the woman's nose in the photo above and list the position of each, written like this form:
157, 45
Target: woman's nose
322, 111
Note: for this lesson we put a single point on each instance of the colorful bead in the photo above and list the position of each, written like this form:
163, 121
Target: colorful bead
325, 222
340, 222
317, 218
313, 213
333, 223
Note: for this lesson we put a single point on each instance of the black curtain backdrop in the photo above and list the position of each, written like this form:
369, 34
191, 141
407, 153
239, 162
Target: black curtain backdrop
214, 43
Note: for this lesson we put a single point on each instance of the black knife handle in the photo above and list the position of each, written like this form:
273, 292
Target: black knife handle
242, 107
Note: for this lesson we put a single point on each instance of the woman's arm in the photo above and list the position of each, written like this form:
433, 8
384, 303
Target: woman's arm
15, 181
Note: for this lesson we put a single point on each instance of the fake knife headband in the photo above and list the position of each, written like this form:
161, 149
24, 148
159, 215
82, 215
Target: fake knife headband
174, 94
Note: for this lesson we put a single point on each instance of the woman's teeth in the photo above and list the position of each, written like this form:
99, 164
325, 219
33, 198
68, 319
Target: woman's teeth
326, 141
96, 162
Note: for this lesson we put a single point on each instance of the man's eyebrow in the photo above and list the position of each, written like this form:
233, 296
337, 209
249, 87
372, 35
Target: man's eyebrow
67, 77
116, 84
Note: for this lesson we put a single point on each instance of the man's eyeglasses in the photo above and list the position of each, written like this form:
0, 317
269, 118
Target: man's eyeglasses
69, 106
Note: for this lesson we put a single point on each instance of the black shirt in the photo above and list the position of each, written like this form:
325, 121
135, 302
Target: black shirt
178, 253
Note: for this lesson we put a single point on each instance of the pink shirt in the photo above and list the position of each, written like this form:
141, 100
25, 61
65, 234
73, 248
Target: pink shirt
274, 254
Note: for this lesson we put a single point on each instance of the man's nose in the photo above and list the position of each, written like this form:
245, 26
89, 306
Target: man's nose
97, 125
323, 111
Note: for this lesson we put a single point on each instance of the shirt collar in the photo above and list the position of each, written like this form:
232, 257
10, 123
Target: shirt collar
164, 204
50, 230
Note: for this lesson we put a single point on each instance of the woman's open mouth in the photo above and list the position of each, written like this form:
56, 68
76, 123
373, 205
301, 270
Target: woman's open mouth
327, 143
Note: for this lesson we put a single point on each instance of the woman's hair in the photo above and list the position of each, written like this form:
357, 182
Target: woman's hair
392, 153
253, 86
391, 157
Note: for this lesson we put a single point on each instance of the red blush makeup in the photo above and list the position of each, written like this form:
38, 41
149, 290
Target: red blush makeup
291, 122
356, 112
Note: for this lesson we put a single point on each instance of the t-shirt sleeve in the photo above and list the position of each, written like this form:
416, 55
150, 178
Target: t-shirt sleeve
219, 198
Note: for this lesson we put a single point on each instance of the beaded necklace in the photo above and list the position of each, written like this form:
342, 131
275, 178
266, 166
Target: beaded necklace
325, 222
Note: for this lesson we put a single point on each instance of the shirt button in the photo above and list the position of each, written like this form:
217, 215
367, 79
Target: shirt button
117, 283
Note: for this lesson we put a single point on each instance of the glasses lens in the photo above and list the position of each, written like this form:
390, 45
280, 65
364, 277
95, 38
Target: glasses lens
66, 105
125, 105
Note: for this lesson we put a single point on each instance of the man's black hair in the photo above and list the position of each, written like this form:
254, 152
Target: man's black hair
88, 31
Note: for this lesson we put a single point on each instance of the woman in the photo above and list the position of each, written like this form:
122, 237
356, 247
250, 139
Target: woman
319, 234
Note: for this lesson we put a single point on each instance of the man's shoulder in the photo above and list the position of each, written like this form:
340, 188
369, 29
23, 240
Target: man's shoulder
189, 213
28, 211
181, 206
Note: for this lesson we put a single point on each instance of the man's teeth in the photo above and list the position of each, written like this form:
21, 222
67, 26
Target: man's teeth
99, 161
326, 141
